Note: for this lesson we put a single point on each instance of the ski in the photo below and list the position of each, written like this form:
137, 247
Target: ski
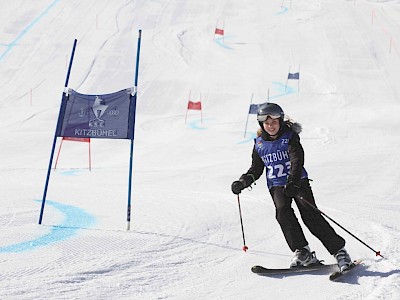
338, 274
260, 270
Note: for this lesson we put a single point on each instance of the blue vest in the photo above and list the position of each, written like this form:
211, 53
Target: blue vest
275, 156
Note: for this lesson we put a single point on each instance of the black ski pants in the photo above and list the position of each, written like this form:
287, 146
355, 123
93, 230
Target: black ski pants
314, 221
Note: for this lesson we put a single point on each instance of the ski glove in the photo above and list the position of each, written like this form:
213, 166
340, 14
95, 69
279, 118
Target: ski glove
245, 181
291, 189
238, 186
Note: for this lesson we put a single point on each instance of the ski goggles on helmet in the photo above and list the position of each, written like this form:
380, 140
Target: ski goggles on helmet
263, 118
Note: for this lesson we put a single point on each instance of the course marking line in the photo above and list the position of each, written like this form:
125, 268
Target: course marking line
14, 42
74, 219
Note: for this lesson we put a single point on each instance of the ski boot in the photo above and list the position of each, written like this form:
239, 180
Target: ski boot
303, 258
343, 259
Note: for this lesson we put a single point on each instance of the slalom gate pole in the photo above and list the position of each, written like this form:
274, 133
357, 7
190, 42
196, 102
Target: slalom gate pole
247, 121
377, 253
241, 223
128, 210
55, 137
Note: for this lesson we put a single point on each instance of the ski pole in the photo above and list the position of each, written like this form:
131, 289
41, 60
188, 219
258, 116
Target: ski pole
377, 253
241, 223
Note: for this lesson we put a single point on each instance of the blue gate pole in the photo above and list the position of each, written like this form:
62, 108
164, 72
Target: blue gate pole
247, 121
55, 138
132, 139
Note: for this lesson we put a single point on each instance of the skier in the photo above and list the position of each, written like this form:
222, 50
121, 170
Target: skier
278, 149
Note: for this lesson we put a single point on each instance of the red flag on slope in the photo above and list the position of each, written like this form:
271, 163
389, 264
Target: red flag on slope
194, 105
219, 31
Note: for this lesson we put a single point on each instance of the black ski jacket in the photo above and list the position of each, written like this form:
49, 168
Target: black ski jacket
296, 156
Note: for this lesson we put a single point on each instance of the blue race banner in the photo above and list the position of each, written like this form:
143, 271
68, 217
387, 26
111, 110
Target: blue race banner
107, 116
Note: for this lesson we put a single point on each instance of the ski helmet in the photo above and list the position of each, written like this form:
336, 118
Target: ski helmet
272, 110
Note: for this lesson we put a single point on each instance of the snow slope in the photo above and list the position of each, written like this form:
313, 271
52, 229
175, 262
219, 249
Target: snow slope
185, 239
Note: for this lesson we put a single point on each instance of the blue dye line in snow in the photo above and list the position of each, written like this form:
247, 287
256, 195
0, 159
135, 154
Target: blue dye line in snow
71, 172
13, 43
195, 124
220, 42
75, 219
284, 10
283, 89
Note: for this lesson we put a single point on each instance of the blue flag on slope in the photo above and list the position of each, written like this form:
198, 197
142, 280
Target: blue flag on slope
254, 108
294, 75
108, 116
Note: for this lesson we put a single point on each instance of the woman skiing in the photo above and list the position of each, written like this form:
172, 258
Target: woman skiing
278, 149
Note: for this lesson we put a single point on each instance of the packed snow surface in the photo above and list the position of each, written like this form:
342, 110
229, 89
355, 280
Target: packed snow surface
185, 240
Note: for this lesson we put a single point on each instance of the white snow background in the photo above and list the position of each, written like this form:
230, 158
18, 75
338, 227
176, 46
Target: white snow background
185, 240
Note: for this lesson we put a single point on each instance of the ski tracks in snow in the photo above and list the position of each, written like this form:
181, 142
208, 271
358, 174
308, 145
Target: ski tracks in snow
381, 274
